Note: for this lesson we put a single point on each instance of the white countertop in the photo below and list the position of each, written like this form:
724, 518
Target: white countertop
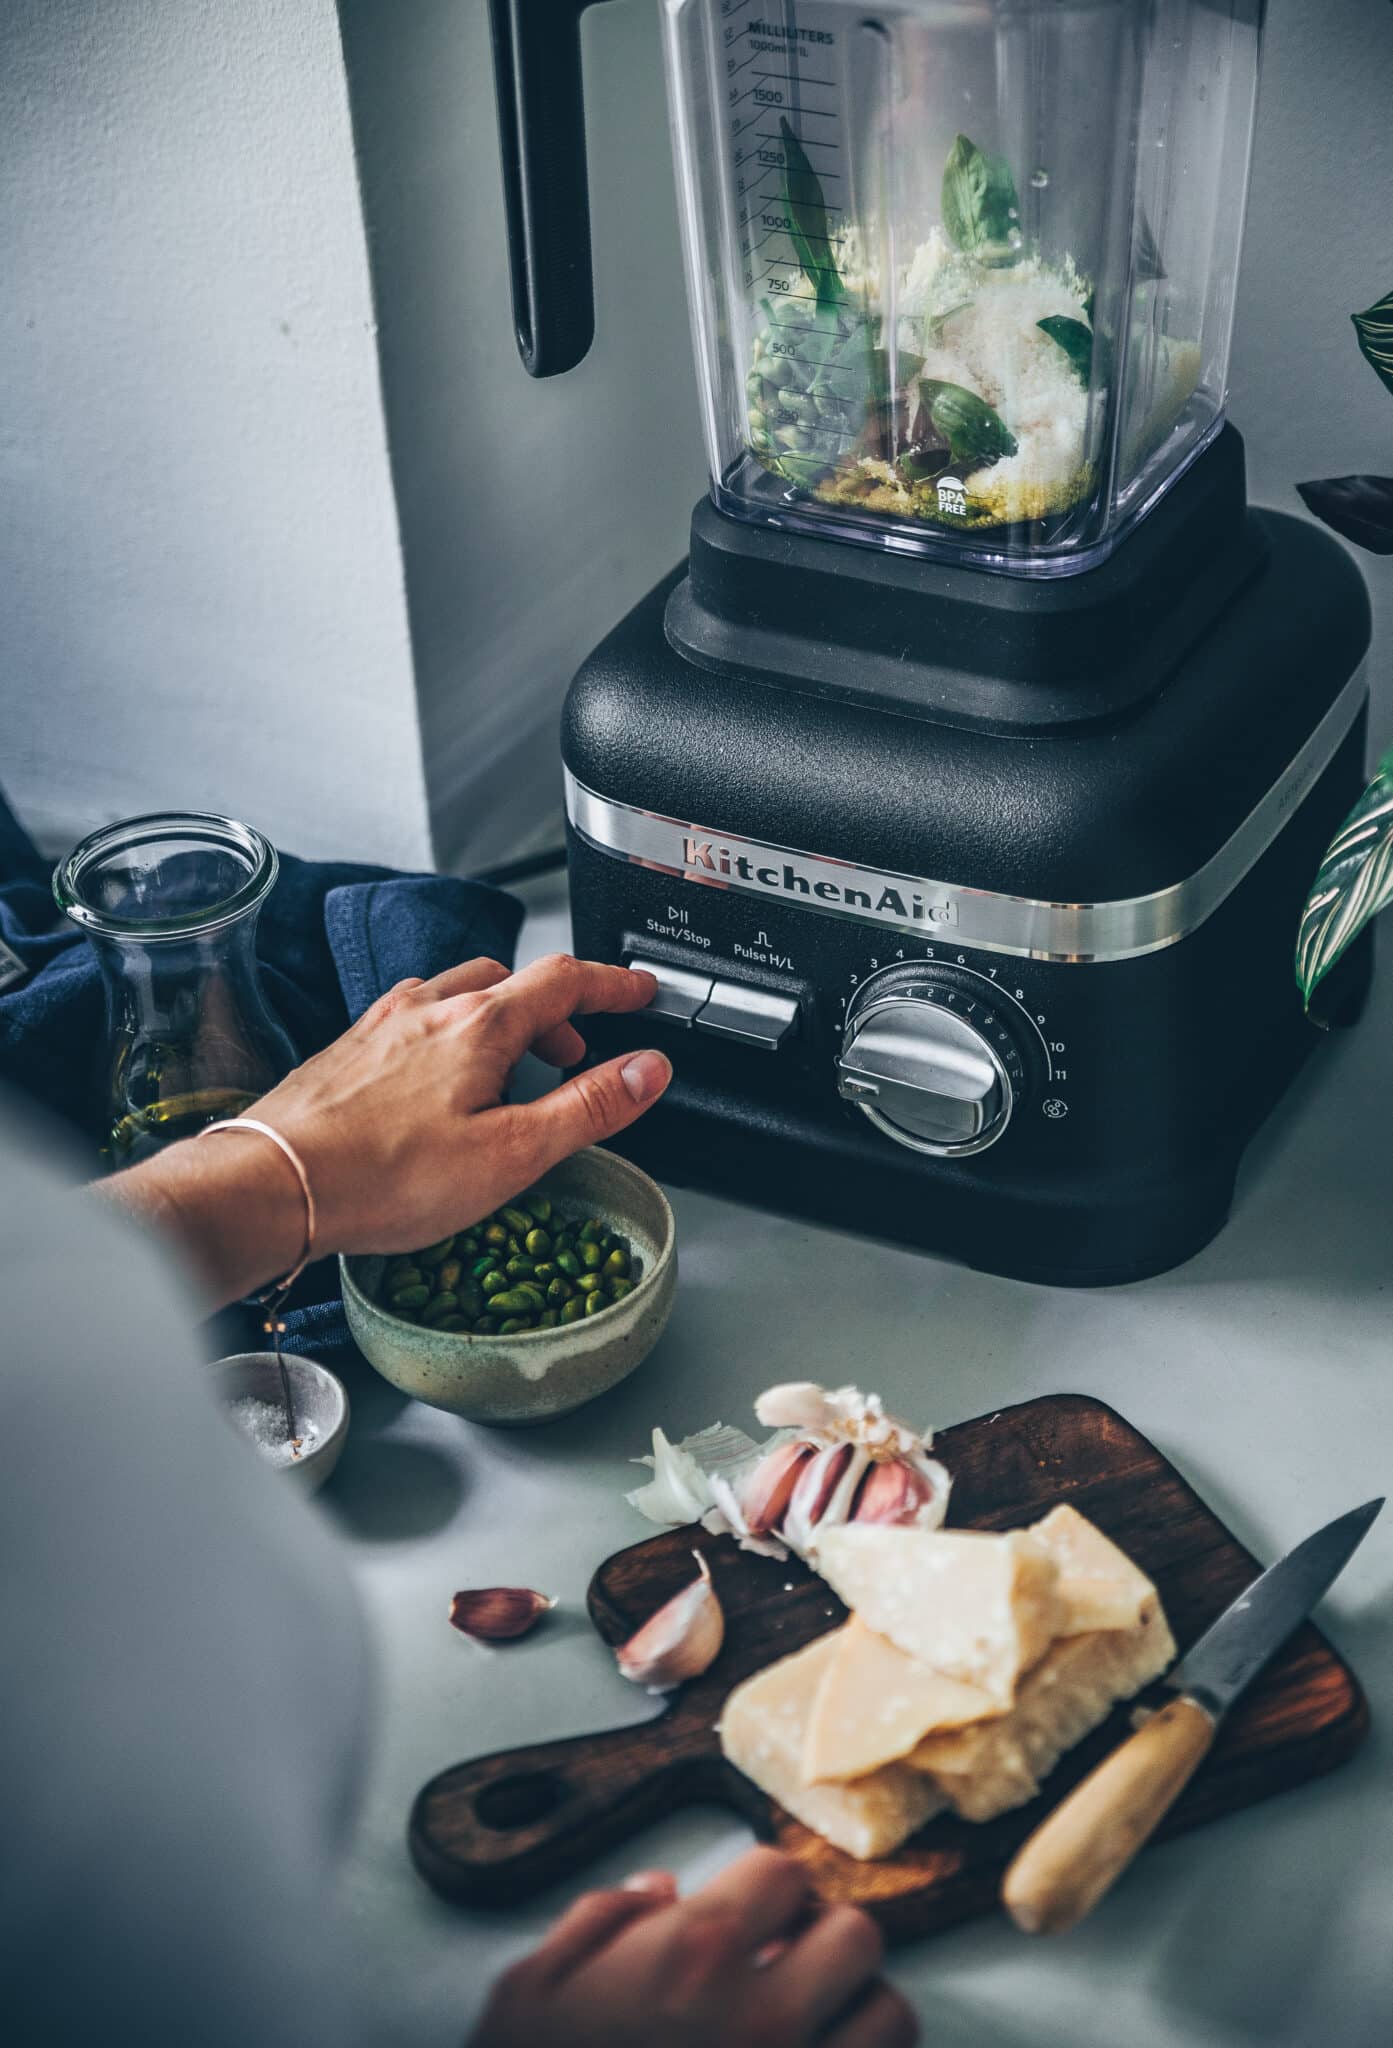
1261, 1369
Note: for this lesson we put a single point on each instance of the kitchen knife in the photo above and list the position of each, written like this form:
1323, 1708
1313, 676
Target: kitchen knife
1073, 1857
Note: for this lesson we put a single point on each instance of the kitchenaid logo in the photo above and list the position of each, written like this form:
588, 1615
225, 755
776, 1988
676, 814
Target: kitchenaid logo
889, 899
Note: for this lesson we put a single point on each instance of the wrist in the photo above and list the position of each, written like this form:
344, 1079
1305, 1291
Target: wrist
232, 1206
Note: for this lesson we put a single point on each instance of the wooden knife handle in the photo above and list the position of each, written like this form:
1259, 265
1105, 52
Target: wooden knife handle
503, 1826
1073, 1857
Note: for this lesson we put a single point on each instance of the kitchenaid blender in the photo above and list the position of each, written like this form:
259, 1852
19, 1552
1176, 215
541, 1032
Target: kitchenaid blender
963, 788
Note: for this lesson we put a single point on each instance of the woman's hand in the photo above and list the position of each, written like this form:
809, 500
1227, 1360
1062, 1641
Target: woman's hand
401, 1123
749, 1961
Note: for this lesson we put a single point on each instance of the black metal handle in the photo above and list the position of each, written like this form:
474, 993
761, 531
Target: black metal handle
546, 195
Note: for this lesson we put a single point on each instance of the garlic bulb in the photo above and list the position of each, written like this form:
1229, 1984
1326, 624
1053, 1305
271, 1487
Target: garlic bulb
836, 1457
681, 1640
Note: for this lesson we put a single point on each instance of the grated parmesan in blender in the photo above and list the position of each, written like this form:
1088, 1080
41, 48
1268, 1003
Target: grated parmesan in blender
990, 415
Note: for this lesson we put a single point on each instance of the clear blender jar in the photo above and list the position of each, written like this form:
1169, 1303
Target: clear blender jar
961, 272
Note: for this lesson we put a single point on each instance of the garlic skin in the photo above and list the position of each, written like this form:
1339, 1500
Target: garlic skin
498, 1614
680, 1641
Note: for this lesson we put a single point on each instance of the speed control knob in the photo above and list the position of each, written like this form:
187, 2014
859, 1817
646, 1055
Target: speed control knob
930, 1061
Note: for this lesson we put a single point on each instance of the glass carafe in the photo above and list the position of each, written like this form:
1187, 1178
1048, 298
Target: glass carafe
961, 272
170, 904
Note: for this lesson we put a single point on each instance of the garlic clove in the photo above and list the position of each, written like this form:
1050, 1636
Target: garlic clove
767, 1492
824, 1494
496, 1614
681, 1640
893, 1492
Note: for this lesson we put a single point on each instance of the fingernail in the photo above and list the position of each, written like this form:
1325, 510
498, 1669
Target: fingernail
660, 1881
646, 1075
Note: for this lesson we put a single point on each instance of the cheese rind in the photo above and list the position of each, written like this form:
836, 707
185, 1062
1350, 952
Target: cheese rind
977, 1607
763, 1729
1099, 1586
985, 1769
874, 1703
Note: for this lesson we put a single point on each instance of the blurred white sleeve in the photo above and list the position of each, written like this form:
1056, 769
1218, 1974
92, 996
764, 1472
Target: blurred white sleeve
183, 1699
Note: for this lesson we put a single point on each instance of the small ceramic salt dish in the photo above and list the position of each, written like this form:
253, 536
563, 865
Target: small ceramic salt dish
249, 1391
534, 1375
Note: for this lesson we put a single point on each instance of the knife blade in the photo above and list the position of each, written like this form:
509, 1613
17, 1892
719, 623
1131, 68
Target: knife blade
1075, 1855
1252, 1628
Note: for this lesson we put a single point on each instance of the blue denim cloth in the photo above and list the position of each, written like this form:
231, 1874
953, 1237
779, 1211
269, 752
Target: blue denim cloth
333, 936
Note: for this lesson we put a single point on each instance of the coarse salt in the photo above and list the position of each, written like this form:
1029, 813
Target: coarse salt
263, 1424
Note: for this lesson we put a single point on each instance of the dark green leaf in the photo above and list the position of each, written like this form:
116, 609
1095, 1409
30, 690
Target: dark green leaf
1358, 507
981, 207
807, 209
1375, 332
1074, 338
1355, 882
975, 434
907, 369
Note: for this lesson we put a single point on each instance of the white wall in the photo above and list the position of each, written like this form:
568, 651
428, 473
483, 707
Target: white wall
533, 513
200, 584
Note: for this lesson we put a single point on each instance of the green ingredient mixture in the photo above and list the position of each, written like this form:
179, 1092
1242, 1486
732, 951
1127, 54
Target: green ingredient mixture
523, 1268
983, 417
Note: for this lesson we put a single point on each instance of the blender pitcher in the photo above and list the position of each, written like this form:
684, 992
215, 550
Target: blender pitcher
961, 272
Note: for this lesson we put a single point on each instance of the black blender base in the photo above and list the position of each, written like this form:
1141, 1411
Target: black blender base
1097, 1235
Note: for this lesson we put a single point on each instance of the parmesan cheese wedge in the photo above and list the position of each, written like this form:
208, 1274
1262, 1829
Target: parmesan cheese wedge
874, 1703
763, 1730
1099, 1586
993, 1765
977, 1607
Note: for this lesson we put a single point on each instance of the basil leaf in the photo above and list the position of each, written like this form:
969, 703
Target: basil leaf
807, 211
981, 207
1074, 338
1360, 508
976, 435
1354, 883
1375, 332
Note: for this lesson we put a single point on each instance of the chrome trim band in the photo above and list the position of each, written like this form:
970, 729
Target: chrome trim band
1025, 927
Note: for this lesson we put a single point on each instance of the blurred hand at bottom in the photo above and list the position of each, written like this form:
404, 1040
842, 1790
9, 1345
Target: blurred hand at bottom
749, 1961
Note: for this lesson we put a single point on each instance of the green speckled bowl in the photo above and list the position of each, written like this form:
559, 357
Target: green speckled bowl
540, 1373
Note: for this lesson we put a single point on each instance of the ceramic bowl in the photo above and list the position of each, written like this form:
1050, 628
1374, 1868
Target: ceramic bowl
536, 1374
317, 1395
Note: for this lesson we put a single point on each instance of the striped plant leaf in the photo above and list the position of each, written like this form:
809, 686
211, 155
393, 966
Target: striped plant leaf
1375, 332
1355, 882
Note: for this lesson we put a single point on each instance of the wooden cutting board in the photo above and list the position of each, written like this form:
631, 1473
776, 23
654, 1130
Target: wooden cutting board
505, 1826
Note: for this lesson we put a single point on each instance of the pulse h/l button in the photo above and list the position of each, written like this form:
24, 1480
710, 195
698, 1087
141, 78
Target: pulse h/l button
726, 1009
754, 1016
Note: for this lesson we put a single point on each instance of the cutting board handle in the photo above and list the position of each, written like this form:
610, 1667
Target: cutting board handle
505, 1825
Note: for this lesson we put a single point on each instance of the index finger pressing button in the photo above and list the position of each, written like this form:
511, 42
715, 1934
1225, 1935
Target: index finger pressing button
681, 993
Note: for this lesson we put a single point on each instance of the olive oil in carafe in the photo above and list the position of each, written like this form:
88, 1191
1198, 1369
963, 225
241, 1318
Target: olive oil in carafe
143, 1132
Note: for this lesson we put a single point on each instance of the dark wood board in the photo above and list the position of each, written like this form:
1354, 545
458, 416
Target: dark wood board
505, 1826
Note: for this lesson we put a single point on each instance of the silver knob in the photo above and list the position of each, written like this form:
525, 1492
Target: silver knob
922, 1074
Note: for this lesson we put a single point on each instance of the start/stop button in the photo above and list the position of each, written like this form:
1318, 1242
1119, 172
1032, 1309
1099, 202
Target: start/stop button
752, 1016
